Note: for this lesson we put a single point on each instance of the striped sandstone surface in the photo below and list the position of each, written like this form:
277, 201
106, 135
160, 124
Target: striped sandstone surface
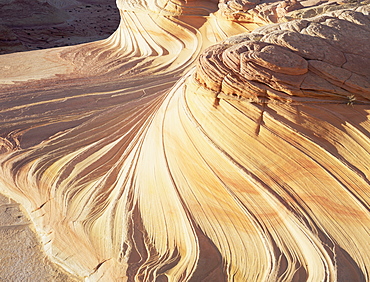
201, 141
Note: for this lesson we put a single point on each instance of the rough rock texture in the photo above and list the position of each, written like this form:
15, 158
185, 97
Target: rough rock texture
265, 11
312, 10
324, 59
21, 256
254, 166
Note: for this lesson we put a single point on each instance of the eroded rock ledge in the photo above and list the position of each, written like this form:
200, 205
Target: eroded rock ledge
324, 59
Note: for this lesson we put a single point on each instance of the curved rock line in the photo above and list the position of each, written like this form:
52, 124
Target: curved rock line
142, 178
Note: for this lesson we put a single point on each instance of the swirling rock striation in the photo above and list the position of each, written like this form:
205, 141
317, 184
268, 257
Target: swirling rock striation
253, 166
291, 111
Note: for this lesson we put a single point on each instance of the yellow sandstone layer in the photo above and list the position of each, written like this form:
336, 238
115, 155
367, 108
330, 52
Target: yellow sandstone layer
136, 165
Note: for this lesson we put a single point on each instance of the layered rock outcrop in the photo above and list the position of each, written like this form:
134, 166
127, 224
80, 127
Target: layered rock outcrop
324, 59
290, 110
136, 165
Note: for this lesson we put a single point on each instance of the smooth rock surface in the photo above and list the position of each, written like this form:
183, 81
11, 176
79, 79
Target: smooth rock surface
185, 149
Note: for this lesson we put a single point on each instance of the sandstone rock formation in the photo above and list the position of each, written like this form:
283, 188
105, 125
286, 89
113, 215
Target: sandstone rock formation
183, 150
21, 256
321, 60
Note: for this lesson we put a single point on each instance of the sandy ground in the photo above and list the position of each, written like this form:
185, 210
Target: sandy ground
34, 25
